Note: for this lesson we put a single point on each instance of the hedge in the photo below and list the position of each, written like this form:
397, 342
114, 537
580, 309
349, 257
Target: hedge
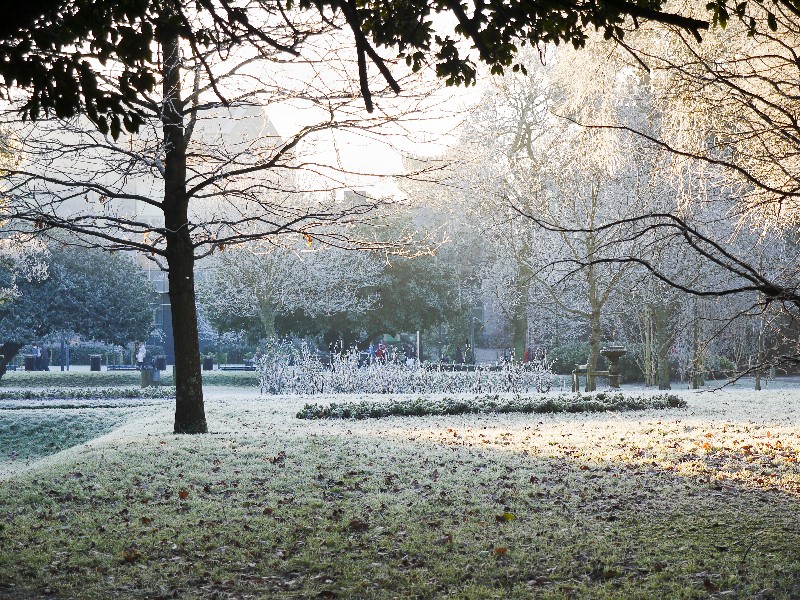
570, 403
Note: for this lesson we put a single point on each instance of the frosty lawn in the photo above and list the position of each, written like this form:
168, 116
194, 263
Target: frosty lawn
690, 503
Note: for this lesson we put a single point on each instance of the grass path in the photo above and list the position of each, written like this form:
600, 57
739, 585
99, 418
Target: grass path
694, 503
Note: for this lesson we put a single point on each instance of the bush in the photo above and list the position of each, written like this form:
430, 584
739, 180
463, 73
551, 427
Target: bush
600, 402
60, 379
73, 378
82, 393
566, 357
286, 369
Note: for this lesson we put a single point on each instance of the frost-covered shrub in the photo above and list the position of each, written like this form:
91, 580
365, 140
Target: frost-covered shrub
275, 366
570, 403
288, 369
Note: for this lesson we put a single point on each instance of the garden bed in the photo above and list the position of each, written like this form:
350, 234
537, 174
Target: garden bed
88, 393
49, 379
569, 403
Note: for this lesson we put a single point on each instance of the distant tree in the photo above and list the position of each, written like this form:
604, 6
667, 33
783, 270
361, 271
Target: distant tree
412, 293
105, 297
299, 290
725, 111
257, 287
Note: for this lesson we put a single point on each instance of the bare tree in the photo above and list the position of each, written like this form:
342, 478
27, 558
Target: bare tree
204, 173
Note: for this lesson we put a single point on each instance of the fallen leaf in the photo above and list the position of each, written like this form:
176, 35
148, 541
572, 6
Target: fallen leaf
358, 525
281, 456
445, 539
183, 494
709, 586
506, 516
500, 551
131, 554
433, 523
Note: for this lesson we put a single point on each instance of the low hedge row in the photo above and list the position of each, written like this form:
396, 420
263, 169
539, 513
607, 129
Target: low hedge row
570, 403
72, 393
117, 378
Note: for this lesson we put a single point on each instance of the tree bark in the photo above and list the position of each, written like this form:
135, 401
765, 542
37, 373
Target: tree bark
594, 320
760, 353
519, 329
697, 355
266, 313
594, 351
662, 342
648, 348
189, 409
7, 352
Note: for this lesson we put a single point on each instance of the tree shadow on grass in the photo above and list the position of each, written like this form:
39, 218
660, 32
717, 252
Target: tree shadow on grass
354, 515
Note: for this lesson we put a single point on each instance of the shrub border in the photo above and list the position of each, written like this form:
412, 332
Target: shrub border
569, 403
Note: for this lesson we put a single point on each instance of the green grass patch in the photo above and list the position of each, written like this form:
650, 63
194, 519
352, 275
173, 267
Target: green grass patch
564, 403
62, 379
27, 435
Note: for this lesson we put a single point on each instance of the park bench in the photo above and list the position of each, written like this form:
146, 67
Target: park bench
613, 352
584, 370
237, 368
122, 368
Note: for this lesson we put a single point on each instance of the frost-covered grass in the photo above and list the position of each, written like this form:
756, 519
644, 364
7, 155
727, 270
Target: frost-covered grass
690, 503
489, 404
28, 434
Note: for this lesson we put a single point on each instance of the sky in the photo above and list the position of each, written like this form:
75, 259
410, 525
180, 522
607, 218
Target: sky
370, 157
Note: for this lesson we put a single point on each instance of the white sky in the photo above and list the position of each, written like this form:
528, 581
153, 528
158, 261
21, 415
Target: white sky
375, 156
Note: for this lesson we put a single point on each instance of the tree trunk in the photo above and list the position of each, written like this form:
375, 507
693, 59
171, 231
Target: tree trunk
662, 343
594, 351
189, 409
594, 320
519, 329
697, 355
648, 348
266, 313
7, 352
519, 319
760, 353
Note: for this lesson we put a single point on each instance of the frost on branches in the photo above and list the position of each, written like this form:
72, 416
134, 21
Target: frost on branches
20, 258
285, 368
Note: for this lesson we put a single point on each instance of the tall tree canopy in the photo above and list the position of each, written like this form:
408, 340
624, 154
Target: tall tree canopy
49, 47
